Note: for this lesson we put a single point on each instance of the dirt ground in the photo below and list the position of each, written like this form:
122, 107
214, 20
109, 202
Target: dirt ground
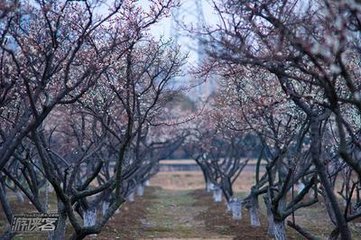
180, 214
176, 206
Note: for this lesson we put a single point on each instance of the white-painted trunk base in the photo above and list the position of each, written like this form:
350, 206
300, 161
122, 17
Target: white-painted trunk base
130, 197
236, 208
105, 207
271, 228
279, 230
299, 187
146, 183
217, 195
140, 190
90, 217
210, 187
254, 217
270, 220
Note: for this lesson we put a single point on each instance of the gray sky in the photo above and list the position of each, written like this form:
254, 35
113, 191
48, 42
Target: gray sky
188, 15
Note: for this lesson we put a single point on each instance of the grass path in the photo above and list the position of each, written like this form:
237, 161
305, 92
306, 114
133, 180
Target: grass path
175, 207
174, 214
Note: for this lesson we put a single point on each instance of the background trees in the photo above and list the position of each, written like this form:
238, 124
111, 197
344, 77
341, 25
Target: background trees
294, 62
79, 93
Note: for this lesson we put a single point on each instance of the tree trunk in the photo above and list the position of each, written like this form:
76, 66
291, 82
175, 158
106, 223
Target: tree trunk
270, 220
140, 190
253, 212
334, 234
217, 195
59, 232
105, 207
146, 183
46, 200
279, 230
329, 209
8, 234
130, 197
6, 205
209, 186
90, 217
276, 225
316, 153
236, 207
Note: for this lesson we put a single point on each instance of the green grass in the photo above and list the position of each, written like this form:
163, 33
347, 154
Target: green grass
169, 214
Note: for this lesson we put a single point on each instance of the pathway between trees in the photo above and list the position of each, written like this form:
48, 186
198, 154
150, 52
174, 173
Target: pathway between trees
176, 214
176, 206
